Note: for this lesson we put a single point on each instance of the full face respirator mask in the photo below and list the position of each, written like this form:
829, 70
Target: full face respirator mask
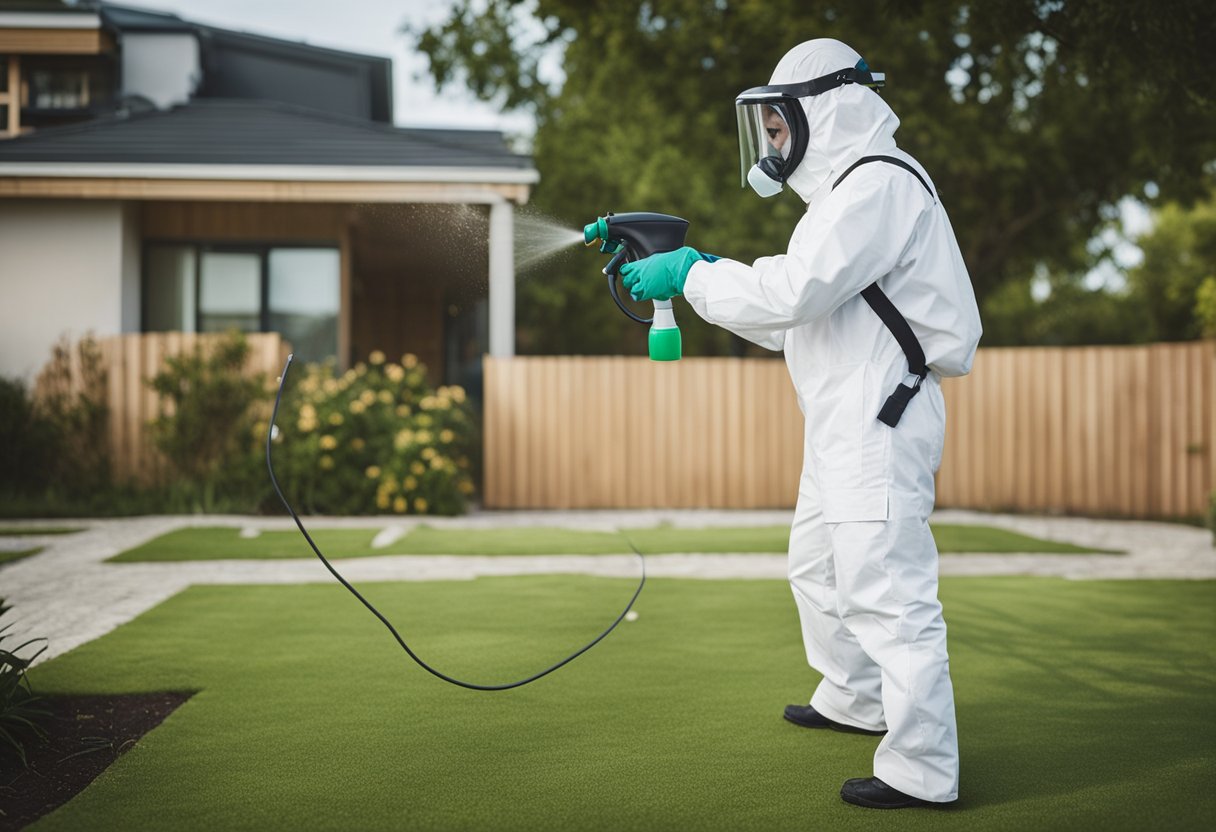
773, 131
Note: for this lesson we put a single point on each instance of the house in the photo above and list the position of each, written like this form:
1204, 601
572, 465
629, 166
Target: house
162, 175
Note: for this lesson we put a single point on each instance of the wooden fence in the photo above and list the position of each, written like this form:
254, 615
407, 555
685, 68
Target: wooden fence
1094, 430
129, 360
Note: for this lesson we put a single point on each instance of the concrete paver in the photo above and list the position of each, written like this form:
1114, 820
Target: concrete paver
68, 594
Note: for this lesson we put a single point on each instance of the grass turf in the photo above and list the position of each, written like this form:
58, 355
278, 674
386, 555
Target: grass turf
28, 531
1081, 705
10, 557
225, 543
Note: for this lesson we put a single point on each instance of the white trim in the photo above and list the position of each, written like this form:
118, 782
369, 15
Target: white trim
282, 173
42, 20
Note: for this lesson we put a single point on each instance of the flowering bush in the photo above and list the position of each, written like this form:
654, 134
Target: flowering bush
376, 437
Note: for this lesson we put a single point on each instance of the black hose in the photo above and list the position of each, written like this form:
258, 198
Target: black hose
471, 685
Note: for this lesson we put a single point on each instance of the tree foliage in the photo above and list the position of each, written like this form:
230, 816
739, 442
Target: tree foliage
1034, 117
1179, 259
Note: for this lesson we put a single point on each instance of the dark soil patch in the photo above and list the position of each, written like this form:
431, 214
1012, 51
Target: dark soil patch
84, 735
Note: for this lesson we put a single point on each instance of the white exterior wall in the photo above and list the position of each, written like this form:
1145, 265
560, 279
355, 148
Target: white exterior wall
162, 67
62, 268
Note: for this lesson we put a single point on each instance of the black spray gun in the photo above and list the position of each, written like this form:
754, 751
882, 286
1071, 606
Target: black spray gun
634, 236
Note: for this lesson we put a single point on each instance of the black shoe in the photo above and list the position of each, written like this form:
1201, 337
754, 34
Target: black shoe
808, 717
875, 794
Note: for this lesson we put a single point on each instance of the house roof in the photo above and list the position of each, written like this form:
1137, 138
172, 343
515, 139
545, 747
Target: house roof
245, 132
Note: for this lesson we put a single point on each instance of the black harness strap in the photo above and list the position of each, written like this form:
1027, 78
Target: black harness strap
891, 317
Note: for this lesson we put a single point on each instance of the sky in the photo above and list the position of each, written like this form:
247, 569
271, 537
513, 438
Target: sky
372, 27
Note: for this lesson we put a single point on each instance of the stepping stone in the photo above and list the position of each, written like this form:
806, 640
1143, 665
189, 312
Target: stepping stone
387, 537
250, 533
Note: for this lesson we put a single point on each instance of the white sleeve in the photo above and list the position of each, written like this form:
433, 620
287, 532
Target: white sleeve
857, 237
768, 338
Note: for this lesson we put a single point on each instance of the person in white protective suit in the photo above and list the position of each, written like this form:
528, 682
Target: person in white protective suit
867, 369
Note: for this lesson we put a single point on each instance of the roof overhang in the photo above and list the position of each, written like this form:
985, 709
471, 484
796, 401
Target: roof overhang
271, 183
35, 33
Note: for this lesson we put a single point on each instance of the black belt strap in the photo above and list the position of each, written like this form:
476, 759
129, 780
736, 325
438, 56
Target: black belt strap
891, 317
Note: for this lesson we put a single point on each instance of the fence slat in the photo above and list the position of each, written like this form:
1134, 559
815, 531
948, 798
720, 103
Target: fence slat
1100, 430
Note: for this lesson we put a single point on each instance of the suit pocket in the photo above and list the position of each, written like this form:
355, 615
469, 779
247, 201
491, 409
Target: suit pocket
850, 446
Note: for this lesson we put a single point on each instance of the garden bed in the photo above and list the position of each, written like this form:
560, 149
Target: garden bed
85, 734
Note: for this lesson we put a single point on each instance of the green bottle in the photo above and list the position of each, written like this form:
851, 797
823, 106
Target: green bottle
664, 341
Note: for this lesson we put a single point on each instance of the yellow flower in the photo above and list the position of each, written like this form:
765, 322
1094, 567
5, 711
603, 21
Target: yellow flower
457, 393
382, 500
326, 462
394, 372
423, 420
399, 505
376, 357
427, 402
328, 443
437, 462
428, 453
446, 436
385, 397
349, 376
373, 472
409, 361
335, 418
331, 386
306, 425
423, 437
409, 483
367, 397
308, 412
466, 487
357, 444
360, 369
417, 468
388, 484
403, 439
357, 407
403, 410
420, 505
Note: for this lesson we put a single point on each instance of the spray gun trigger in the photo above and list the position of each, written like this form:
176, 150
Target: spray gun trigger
615, 262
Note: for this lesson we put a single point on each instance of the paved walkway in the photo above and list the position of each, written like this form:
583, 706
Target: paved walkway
69, 595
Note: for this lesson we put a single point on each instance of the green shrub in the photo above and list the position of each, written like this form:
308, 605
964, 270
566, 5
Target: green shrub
1212, 516
71, 395
28, 442
20, 719
209, 412
376, 438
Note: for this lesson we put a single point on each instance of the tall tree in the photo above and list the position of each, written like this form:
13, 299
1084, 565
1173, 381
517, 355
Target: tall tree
1034, 117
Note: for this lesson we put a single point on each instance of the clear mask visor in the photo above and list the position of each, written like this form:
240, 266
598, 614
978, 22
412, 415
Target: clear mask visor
764, 130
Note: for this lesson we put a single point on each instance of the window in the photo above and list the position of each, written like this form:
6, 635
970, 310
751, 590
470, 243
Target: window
169, 295
304, 297
230, 291
59, 89
292, 290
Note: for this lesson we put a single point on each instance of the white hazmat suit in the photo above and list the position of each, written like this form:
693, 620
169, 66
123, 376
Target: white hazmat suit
862, 560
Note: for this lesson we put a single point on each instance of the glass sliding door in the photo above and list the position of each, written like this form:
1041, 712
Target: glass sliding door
304, 296
230, 291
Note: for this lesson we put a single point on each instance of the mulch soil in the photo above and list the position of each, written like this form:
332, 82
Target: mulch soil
85, 734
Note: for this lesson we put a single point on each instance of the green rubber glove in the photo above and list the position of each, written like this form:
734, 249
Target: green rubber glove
661, 276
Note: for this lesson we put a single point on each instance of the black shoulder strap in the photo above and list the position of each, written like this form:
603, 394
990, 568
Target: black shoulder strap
891, 317
864, 160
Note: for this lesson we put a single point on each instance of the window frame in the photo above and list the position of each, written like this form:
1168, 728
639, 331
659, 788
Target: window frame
199, 246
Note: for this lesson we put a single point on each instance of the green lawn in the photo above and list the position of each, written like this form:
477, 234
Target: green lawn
1081, 706
225, 543
27, 531
9, 557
